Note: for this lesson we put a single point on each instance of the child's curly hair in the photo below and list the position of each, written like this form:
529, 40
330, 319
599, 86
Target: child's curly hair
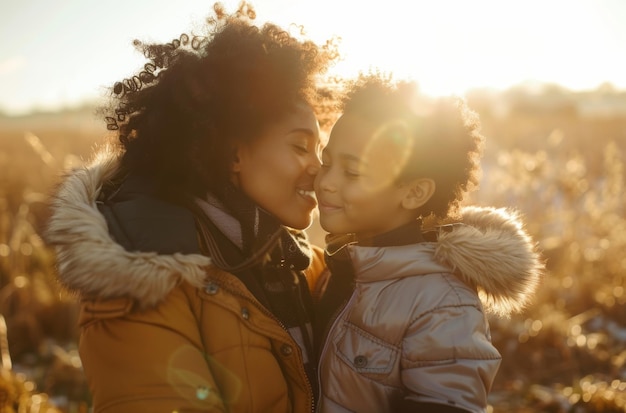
177, 119
446, 144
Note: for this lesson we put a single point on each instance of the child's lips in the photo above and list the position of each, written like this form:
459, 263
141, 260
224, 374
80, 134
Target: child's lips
328, 207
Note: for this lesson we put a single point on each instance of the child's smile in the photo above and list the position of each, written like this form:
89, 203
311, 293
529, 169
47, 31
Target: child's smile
356, 186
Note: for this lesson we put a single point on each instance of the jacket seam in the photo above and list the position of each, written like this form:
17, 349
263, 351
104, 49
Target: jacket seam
364, 333
446, 278
434, 309
448, 360
454, 289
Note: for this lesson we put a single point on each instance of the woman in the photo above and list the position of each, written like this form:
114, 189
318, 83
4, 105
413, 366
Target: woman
185, 245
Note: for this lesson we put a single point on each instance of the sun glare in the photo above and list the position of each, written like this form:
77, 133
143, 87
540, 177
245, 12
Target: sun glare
447, 46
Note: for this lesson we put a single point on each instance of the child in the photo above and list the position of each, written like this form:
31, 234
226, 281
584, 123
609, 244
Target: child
410, 334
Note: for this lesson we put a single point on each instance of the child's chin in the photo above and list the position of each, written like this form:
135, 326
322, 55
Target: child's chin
330, 227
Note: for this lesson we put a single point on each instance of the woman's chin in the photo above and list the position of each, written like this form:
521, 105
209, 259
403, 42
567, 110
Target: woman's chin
300, 222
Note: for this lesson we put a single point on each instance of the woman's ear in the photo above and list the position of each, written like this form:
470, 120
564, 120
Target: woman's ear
235, 164
418, 192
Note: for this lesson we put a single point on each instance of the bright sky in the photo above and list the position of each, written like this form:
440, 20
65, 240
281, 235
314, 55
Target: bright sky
59, 53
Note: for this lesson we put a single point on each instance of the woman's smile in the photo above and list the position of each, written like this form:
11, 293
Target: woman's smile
308, 194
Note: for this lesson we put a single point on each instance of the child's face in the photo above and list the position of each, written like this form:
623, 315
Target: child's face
356, 187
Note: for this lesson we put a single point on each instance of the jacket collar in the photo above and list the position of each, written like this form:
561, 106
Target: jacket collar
410, 233
489, 249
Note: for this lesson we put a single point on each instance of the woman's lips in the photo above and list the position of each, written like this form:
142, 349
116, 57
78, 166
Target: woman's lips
307, 194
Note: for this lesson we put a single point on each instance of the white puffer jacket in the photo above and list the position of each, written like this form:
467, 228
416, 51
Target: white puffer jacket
415, 327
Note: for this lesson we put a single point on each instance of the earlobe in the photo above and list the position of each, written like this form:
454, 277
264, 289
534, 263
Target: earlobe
235, 165
418, 192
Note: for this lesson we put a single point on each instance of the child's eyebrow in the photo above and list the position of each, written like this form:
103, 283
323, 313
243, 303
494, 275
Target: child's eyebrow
306, 131
348, 157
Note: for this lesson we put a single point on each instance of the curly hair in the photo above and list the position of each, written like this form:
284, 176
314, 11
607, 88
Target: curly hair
445, 140
178, 118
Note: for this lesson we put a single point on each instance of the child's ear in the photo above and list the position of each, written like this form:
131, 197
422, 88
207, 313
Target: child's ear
418, 192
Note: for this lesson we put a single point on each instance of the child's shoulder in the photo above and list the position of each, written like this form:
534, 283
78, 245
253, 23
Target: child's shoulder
428, 292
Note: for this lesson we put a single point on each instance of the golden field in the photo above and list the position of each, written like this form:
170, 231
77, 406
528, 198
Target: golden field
557, 157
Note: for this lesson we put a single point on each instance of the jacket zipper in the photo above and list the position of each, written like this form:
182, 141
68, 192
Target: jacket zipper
337, 316
273, 317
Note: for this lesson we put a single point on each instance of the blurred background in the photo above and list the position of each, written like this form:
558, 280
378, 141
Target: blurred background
548, 79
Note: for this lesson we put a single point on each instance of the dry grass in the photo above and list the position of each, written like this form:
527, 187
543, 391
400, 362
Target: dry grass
563, 172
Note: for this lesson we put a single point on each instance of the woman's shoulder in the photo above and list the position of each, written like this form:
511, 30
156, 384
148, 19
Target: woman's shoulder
92, 262
138, 220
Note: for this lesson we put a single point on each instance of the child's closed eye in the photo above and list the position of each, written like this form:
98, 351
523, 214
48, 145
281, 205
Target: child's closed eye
300, 148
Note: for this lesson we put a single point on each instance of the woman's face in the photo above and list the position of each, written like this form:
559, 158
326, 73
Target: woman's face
278, 168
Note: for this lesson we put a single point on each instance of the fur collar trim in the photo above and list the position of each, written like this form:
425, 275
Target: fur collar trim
91, 263
489, 250
493, 252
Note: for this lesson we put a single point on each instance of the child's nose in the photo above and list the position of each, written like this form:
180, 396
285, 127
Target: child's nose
323, 182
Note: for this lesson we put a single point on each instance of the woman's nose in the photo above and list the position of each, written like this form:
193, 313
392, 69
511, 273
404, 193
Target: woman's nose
314, 165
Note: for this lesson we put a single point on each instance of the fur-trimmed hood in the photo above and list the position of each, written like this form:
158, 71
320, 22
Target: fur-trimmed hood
489, 250
493, 251
91, 263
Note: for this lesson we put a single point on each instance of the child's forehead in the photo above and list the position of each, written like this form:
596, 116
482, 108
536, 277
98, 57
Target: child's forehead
350, 125
371, 143
360, 129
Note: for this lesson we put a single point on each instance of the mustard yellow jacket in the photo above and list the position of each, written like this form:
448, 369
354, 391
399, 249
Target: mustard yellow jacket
168, 332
